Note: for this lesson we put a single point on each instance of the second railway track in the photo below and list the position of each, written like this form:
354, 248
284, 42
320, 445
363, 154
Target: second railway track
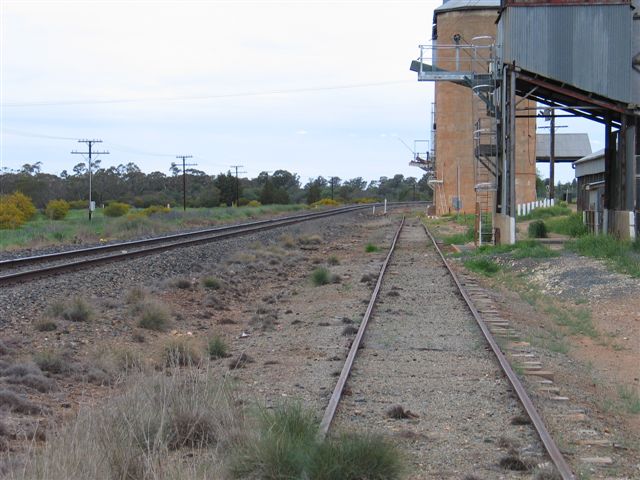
427, 376
27, 268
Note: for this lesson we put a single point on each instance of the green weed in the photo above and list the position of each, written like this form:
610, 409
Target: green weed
370, 248
217, 348
287, 447
622, 256
482, 265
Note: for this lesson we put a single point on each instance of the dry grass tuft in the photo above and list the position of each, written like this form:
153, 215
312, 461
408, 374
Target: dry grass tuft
153, 315
181, 352
133, 436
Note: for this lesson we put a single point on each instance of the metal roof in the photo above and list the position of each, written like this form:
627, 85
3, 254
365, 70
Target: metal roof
569, 146
451, 5
589, 158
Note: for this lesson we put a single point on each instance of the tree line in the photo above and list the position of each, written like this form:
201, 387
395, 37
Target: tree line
127, 183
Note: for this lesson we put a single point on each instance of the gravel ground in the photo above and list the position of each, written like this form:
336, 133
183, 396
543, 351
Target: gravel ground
424, 352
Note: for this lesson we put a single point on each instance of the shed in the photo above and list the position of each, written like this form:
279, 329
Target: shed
569, 147
590, 176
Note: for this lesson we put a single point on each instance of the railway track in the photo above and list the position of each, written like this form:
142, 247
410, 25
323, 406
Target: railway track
425, 364
17, 269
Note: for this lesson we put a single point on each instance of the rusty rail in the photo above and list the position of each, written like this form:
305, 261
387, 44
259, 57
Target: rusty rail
330, 411
552, 449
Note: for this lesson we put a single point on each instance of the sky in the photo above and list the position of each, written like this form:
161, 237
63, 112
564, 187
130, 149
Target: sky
313, 87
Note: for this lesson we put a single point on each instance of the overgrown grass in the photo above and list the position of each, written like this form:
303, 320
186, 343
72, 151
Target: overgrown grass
76, 226
521, 249
570, 225
623, 256
460, 238
286, 446
482, 265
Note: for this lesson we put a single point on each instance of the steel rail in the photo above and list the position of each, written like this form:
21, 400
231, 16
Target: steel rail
21, 261
552, 449
330, 411
179, 241
175, 241
17, 262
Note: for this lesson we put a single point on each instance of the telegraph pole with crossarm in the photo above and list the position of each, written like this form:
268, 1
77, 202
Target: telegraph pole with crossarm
184, 178
90, 153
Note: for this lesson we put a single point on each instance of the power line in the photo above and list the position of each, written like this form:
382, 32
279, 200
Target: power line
203, 97
21, 133
90, 152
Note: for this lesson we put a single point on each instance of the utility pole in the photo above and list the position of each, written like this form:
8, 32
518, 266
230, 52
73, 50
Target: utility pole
237, 183
184, 178
331, 188
89, 153
550, 115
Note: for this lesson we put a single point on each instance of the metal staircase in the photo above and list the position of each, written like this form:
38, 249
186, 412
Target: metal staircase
474, 66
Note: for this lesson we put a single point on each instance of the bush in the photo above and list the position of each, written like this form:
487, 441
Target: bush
155, 210
10, 216
217, 348
45, 325
365, 200
15, 209
75, 310
57, 209
320, 276
254, 203
24, 204
51, 361
153, 316
116, 209
537, 229
211, 283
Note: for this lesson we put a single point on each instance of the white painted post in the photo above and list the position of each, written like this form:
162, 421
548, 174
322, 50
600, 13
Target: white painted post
385, 206
553, 202
374, 209
632, 226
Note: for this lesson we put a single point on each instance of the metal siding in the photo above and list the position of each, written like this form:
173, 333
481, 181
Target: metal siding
588, 47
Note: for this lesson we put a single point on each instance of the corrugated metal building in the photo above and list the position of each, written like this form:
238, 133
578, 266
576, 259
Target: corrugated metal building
586, 46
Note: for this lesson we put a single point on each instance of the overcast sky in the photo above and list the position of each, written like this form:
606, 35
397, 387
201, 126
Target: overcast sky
317, 88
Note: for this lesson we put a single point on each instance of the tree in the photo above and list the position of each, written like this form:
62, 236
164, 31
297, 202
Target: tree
227, 184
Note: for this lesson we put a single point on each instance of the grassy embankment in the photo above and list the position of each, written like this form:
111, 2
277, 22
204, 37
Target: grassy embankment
76, 228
